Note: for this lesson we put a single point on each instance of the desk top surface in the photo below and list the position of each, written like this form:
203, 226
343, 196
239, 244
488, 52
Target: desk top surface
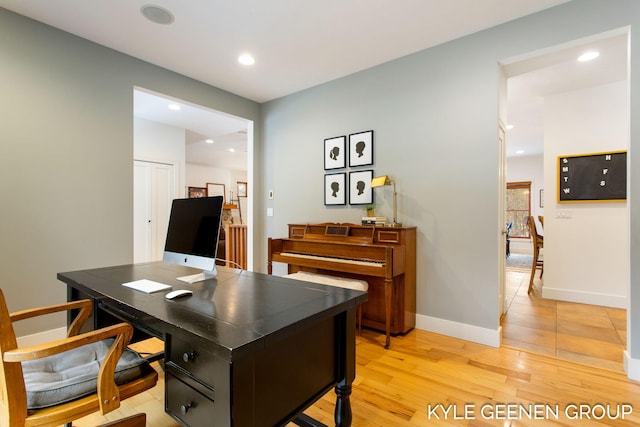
235, 310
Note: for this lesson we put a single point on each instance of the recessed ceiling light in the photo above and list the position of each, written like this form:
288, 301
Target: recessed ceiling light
174, 107
232, 150
157, 14
209, 141
246, 59
520, 152
588, 56
509, 127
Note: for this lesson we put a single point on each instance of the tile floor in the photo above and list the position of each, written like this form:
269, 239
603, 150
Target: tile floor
580, 333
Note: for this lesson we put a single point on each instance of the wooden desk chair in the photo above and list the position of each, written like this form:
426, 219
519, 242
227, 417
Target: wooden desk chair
98, 370
538, 243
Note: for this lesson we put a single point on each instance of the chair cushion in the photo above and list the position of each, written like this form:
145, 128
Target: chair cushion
340, 282
73, 374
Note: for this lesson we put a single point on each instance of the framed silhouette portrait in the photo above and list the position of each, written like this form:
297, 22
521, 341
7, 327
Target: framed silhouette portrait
360, 191
335, 189
361, 148
335, 154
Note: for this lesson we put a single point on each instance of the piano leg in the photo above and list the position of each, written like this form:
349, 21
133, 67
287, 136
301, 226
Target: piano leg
388, 289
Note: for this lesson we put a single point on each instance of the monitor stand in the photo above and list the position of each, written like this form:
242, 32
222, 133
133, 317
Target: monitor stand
199, 277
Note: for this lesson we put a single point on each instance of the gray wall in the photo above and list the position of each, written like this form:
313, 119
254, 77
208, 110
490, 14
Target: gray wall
435, 117
66, 144
66, 132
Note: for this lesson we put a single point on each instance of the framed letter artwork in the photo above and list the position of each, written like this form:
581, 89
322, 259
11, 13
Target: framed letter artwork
335, 155
360, 191
361, 148
597, 177
334, 189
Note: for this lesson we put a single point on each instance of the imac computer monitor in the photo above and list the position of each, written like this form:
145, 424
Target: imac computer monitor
192, 235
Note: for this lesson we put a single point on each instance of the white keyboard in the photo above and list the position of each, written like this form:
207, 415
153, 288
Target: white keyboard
342, 260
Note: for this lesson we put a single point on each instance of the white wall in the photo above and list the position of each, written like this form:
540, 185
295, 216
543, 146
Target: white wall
199, 175
161, 143
586, 255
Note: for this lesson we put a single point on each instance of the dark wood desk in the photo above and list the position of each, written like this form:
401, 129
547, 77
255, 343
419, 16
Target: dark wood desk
247, 349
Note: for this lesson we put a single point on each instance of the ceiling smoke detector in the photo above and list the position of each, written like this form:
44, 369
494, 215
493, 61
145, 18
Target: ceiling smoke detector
157, 14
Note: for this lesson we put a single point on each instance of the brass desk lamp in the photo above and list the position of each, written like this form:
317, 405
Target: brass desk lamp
380, 181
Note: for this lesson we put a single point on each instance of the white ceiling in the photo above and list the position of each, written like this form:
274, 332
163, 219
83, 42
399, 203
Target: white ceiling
297, 44
229, 133
557, 70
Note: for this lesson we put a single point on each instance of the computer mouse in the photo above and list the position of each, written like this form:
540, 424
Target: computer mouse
179, 293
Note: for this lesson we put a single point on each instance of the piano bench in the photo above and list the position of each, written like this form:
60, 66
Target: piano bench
340, 282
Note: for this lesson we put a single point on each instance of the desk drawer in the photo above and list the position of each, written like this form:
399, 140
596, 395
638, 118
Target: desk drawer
200, 363
186, 404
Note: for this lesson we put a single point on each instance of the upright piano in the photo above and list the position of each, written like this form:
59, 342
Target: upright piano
384, 257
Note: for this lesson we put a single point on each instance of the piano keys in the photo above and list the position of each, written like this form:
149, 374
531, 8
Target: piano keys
384, 257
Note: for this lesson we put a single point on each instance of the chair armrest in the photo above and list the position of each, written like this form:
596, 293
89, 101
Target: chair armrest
85, 306
54, 347
108, 392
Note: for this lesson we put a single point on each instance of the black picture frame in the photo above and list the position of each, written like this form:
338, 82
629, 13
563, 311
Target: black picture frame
361, 148
360, 191
335, 154
335, 189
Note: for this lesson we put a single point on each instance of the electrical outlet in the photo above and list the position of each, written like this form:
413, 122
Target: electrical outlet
564, 213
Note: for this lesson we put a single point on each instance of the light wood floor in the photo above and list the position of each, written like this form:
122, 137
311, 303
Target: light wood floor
553, 353
578, 332
398, 387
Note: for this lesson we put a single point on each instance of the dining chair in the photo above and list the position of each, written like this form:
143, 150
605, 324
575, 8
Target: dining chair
55, 383
507, 232
538, 243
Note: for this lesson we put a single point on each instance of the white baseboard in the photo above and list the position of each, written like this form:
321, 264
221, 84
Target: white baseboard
491, 337
631, 367
521, 246
615, 301
42, 337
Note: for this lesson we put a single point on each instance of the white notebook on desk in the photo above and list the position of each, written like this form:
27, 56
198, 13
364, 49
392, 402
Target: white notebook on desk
147, 286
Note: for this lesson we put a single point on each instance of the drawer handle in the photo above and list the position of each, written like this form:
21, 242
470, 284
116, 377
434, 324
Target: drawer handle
189, 356
185, 408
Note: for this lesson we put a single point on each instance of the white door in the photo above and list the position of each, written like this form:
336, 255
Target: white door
502, 253
502, 193
153, 191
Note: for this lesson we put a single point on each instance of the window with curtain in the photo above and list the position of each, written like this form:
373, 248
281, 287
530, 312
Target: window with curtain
518, 207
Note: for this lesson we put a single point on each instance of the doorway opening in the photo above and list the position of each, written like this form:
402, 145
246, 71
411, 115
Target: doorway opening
558, 106
197, 151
